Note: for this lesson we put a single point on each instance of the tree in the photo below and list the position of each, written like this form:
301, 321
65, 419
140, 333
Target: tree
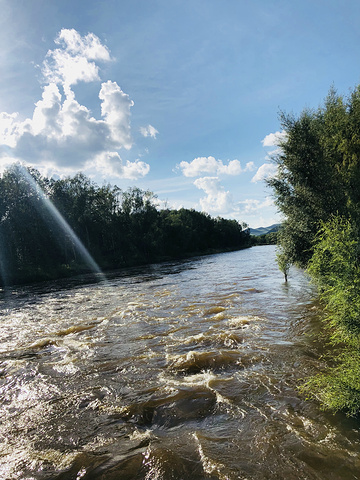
51, 228
29, 234
318, 190
335, 268
284, 264
318, 171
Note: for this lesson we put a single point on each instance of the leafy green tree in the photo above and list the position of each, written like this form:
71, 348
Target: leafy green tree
315, 178
318, 190
284, 264
335, 268
117, 228
29, 238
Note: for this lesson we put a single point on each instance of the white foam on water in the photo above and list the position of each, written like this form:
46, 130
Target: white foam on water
198, 379
210, 466
17, 458
140, 435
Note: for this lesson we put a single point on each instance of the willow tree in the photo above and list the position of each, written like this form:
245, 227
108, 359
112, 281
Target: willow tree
318, 171
318, 191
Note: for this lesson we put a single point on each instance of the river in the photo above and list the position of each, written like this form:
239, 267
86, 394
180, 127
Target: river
181, 370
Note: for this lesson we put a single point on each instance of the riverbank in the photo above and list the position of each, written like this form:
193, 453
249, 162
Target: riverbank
58, 228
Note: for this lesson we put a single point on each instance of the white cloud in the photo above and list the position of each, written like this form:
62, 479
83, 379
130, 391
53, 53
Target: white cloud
62, 131
273, 139
62, 134
9, 127
88, 46
267, 170
220, 201
217, 200
110, 163
74, 61
5, 162
149, 131
249, 167
253, 206
46, 114
202, 165
115, 109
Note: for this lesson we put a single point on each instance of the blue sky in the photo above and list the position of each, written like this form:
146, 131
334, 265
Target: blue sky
178, 97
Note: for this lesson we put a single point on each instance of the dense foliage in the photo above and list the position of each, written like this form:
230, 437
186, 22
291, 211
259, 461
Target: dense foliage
318, 191
318, 171
265, 239
45, 225
336, 269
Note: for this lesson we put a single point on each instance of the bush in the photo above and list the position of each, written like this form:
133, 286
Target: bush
334, 266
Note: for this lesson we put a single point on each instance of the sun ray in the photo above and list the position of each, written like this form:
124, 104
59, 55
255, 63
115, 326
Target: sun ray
63, 224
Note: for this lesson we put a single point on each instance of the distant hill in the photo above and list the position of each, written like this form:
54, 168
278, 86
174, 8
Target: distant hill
264, 230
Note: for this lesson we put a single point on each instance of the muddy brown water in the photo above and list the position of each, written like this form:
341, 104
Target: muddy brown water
184, 370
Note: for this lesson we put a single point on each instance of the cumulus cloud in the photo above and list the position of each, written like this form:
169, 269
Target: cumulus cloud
218, 200
149, 131
75, 60
202, 165
62, 133
267, 170
115, 108
249, 167
110, 163
258, 212
254, 206
273, 139
9, 129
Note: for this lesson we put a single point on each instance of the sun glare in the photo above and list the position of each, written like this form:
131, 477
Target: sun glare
62, 223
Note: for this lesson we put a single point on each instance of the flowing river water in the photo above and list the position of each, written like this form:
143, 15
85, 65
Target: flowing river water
183, 370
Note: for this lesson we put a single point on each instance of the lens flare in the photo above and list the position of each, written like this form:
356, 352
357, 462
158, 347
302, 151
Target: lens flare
3, 263
63, 224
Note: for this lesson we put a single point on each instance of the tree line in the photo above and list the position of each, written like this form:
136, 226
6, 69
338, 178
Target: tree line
265, 239
317, 188
47, 226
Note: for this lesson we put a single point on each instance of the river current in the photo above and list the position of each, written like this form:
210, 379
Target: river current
182, 370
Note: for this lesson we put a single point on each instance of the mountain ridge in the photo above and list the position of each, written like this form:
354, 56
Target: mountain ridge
264, 230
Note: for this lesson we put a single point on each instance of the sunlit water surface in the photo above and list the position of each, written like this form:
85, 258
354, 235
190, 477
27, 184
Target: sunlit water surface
183, 370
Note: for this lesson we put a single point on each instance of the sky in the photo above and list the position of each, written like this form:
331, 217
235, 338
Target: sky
181, 98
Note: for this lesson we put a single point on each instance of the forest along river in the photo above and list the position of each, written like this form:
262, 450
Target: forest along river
184, 370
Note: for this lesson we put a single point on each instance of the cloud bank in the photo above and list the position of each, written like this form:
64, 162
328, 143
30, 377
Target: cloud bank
63, 134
